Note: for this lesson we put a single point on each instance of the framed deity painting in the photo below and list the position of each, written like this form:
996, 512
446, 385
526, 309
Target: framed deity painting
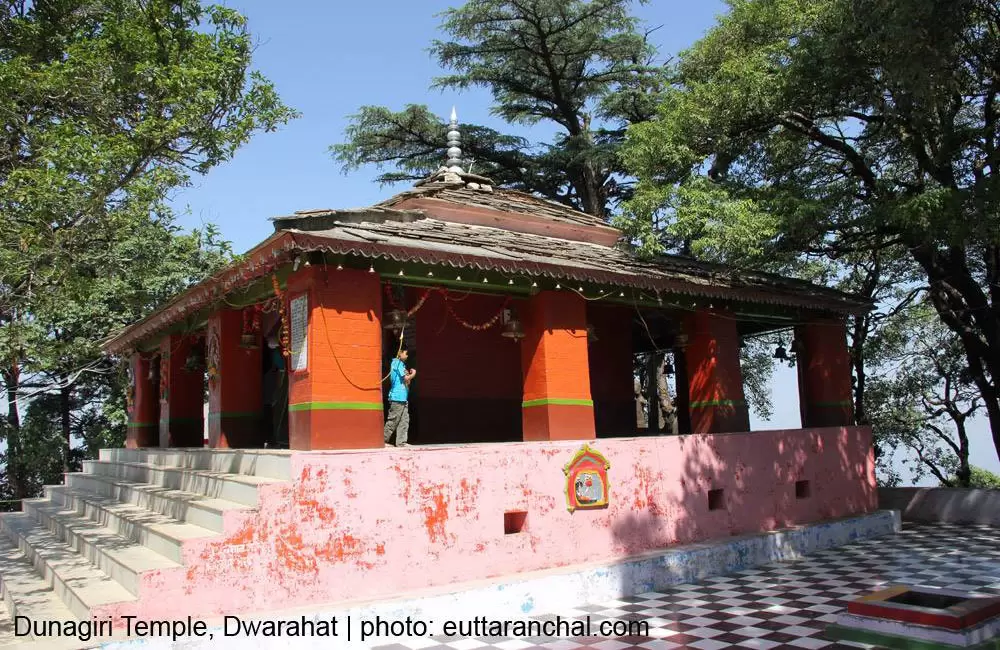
587, 480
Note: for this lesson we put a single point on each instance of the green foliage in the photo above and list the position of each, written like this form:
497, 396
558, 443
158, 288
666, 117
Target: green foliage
108, 105
757, 364
864, 134
582, 67
984, 479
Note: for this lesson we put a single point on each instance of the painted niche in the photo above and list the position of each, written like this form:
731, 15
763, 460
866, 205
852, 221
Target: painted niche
587, 480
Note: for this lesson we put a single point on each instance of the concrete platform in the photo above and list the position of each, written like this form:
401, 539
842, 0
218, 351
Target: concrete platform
553, 590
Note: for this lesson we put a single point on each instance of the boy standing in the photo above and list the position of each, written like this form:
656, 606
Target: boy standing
398, 421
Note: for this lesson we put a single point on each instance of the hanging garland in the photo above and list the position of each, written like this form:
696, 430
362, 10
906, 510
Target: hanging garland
130, 391
395, 305
165, 375
251, 319
285, 328
213, 356
483, 326
451, 311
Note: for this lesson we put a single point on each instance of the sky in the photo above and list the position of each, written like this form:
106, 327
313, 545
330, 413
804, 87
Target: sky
326, 60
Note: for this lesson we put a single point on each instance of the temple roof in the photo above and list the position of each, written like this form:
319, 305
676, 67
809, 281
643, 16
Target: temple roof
503, 200
461, 221
436, 242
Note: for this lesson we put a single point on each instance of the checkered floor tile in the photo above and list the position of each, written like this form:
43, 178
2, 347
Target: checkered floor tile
785, 605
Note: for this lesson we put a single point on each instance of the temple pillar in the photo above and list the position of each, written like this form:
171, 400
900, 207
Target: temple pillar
557, 402
182, 394
335, 369
143, 405
715, 380
610, 362
824, 367
234, 384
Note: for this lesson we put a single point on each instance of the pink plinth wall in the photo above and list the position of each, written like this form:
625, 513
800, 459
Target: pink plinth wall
369, 524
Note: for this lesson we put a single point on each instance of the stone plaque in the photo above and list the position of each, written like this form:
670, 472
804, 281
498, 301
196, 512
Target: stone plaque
299, 317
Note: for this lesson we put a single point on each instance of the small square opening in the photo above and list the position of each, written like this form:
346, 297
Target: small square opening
924, 599
513, 522
717, 499
802, 490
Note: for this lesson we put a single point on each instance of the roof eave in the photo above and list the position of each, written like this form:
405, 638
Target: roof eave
280, 247
259, 260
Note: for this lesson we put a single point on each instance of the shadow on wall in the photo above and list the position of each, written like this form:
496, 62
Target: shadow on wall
723, 493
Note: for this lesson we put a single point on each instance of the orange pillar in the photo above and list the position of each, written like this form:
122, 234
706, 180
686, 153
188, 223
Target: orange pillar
557, 403
715, 380
824, 365
234, 384
182, 405
143, 406
335, 371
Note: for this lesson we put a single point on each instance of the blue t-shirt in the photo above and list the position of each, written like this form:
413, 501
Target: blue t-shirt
398, 390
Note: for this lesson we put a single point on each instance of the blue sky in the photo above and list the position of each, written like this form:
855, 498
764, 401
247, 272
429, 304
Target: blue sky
329, 58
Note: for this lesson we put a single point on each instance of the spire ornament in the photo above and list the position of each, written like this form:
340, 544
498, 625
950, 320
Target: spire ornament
454, 145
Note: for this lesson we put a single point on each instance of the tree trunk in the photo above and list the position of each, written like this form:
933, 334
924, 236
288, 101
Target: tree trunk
12, 380
652, 398
858, 338
640, 406
668, 412
683, 401
64, 412
966, 310
964, 472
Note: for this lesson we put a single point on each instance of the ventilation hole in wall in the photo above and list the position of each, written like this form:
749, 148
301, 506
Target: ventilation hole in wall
513, 522
717, 499
802, 490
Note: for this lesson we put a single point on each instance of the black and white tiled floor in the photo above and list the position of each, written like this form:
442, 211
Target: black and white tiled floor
785, 605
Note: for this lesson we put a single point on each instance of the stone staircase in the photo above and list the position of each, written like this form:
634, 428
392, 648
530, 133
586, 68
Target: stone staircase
108, 541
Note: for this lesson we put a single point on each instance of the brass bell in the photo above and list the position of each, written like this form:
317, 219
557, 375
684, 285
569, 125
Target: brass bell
193, 361
512, 329
396, 320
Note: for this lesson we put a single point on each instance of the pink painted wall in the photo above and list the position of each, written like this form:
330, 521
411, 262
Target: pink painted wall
368, 524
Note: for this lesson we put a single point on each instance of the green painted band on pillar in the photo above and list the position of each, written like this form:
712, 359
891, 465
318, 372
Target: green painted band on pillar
717, 402
556, 401
182, 420
143, 425
336, 406
233, 414
845, 402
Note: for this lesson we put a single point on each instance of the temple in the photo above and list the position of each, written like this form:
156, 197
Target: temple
524, 319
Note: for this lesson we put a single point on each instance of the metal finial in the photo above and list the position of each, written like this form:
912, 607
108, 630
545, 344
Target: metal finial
454, 144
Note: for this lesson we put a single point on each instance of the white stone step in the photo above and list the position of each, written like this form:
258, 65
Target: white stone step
276, 464
217, 485
26, 594
183, 506
123, 541
77, 583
